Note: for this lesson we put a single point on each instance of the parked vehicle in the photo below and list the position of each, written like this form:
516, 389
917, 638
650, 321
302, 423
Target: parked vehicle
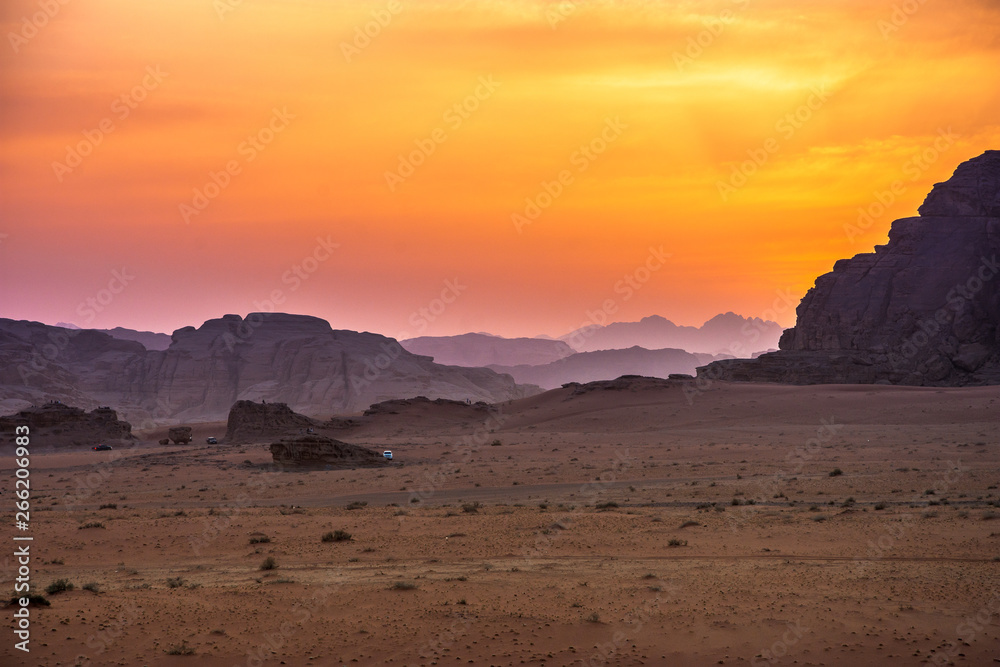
212, 441
103, 448
387, 454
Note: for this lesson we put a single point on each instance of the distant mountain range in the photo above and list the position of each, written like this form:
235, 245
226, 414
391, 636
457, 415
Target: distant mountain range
728, 333
608, 365
475, 349
149, 339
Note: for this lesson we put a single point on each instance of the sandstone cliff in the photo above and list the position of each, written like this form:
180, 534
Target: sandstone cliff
293, 359
923, 309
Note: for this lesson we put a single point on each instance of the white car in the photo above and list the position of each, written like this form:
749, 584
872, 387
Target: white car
387, 454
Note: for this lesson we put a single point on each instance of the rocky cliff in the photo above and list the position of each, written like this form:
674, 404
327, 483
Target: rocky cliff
60, 425
293, 359
923, 309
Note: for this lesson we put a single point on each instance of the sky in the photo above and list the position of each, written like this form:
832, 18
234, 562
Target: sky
432, 168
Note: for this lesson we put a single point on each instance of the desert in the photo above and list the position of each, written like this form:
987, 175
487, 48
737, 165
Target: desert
543, 534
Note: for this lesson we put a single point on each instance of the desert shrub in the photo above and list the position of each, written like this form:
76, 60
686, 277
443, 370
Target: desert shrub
989, 515
356, 505
471, 508
59, 586
677, 543
175, 582
836, 472
181, 649
269, 563
606, 506
336, 536
880, 506
260, 539
594, 618
688, 524
92, 524
92, 586
495, 443
818, 518
109, 506
404, 586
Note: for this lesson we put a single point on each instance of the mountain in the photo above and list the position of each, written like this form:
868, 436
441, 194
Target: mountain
475, 349
148, 339
923, 309
293, 359
728, 333
607, 365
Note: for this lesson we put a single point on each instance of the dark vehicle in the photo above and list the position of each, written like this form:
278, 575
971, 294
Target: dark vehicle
102, 448
212, 441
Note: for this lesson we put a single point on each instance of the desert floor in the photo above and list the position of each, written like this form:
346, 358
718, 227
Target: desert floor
608, 528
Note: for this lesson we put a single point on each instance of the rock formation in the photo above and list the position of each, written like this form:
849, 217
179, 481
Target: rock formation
250, 421
59, 425
320, 451
475, 349
294, 359
923, 309
180, 435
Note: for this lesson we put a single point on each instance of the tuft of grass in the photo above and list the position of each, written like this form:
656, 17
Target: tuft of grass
59, 586
91, 524
109, 506
404, 586
336, 536
92, 586
836, 472
606, 506
269, 564
677, 543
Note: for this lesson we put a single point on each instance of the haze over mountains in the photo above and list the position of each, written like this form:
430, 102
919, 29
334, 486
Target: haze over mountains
294, 359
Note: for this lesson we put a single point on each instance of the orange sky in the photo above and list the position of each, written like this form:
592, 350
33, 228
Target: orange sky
332, 116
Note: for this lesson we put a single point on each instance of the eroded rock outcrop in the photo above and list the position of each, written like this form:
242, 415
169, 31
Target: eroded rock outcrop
320, 451
923, 309
59, 425
250, 421
180, 435
293, 359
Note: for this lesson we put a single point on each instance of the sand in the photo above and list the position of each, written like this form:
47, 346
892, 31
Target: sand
609, 528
